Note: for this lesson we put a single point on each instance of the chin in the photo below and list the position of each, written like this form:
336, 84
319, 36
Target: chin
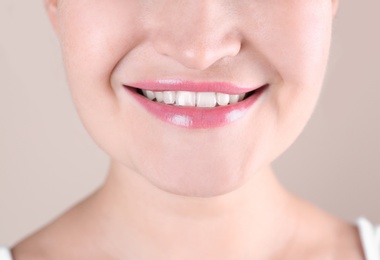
196, 182
208, 190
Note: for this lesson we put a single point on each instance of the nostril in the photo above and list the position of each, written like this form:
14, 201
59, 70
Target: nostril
197, 51
201, 58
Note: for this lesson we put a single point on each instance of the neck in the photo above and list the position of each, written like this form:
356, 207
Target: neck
255, 220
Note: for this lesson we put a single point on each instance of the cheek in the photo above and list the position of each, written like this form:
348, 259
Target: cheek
94, 37
294, 38
302, 63
295, 41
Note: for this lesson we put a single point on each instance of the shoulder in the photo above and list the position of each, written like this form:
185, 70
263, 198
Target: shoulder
69, 229
345, 242
324, 236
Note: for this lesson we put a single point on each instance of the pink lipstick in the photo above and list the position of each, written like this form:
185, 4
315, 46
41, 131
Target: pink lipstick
195, 105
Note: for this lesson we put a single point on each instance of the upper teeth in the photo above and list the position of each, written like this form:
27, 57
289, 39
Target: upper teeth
192, 99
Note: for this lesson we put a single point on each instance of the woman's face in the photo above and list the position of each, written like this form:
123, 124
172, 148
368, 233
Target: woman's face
225, 46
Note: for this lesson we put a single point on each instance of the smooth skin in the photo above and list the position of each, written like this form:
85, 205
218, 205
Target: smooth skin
174, 193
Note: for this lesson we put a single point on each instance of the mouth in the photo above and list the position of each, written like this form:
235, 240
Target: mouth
194, 99
196, 105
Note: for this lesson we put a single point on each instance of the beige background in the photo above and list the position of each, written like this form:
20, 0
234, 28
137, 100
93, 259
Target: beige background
47, 161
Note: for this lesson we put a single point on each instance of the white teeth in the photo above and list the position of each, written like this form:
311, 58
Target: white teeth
159, 97
234, 99
169, 97
185, 98
149, 94
206, 99
222, 99
192, 99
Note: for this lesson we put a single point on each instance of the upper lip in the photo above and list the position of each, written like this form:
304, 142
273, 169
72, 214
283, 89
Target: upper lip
185, 85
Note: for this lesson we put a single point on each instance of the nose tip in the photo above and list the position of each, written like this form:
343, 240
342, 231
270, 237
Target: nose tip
196, 34
200, 53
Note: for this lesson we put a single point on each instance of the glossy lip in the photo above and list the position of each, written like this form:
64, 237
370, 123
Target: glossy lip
181, 85
196, 117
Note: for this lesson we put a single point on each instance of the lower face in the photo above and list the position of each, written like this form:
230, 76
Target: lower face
115, 51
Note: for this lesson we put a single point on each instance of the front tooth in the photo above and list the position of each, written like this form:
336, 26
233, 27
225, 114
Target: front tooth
169, 97
234, 99
206, 99
185, 98
149, 94
159, 97
222, 99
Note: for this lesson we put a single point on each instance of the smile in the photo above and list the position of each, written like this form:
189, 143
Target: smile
193, 99
211, 105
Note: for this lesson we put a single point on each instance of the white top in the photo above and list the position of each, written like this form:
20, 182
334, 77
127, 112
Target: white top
369, 235
5, 254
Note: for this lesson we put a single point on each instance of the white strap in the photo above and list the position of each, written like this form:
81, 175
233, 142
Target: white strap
370, 237
5, 254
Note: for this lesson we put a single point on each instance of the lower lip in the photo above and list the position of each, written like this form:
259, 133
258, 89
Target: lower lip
195, 117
